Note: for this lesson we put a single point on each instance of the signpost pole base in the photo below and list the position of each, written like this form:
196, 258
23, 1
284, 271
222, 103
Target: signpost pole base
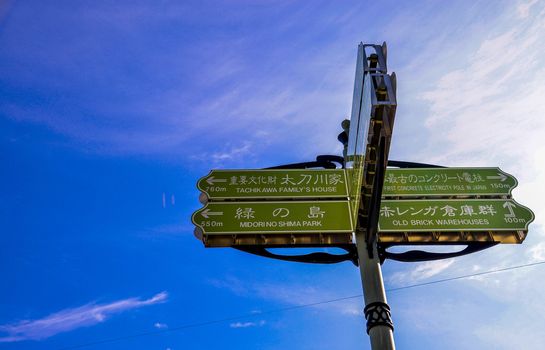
377, 312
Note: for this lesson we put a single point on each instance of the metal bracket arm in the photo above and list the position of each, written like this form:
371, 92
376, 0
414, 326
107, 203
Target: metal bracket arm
322, 161
332, 162
420, 255
314, 258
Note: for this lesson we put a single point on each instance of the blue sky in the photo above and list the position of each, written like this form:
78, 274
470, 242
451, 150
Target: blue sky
108, 106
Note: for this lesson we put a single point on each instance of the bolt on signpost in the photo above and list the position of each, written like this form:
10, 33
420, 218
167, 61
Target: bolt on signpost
363, 208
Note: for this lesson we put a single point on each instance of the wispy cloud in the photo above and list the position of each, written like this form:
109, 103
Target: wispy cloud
537, 251
291, 294
160, 325
487, 111
231, 152
486, 107
247, 324
523, 9
183, 96
70, 319
420, 271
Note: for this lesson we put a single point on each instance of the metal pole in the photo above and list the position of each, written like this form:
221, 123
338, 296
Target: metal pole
377, 312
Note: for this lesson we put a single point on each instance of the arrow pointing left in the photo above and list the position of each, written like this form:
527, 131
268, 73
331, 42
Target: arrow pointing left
211, 180
206, 213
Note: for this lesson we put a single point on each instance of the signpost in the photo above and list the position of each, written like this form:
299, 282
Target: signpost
264, 184
274, 217
364, 208
447, 182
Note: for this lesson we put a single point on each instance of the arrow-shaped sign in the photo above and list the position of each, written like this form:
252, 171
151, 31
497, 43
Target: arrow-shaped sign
277, 183
443, 182
447, 215
206, 213
327, 216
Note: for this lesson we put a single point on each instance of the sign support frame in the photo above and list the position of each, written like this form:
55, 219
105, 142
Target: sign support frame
377, 144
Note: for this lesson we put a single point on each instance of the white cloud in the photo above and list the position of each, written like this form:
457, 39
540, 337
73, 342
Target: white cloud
160, 325
523, 9
431, 268
491, 108
537, 252
420, 271
70, 319
231, 153
247, 324
232, 284
293, 294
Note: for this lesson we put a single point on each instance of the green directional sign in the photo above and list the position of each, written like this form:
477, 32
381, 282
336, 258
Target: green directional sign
453, 215
274, 217
447, 182
262, 184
